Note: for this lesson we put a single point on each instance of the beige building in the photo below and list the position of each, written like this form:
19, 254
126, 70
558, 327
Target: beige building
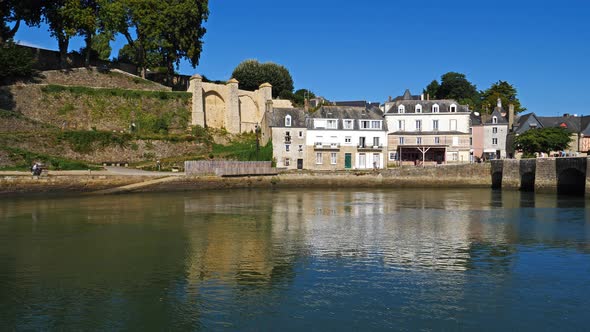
427, 131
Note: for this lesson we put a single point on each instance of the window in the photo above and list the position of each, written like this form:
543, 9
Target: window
454, 156
495, 120
347, 124
334, 141
453, 124
287, 136
401, 141
455, 140
435, 108
287, 147
419, 140
319, 123
333, 158
348, 139
434, 124
401, 109
332, 124
494, 141
319, 140
437, 140
392, 155
362, 141
318, 158
401, 125
470, 140
365, 124
418, 125
418, 108
453, 108
288, 121
287, 162
375, 124
300, 148
494, 130
376, 160
301, 134
375, 141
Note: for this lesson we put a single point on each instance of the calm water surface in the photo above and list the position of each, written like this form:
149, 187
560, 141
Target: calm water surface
295, 260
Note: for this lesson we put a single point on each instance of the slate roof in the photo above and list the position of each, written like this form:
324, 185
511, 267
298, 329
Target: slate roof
347, 112
586, 125
475, 119
298, 117
496, 113
444, 106
525, 122
407, 96
572, 123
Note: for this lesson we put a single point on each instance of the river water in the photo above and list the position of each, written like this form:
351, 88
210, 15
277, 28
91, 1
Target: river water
285, 260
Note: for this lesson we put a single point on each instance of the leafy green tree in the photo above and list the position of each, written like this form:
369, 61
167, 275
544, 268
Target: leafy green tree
15, 12
251, 74
16, 61
172, 28
300, 95
128, 54
432, 89
507, 94
456, 86
542, 140
59, 15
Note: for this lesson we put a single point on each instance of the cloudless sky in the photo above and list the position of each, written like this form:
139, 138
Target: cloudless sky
372, 49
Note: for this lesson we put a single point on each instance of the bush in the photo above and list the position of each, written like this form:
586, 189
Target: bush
85, 141
16, 61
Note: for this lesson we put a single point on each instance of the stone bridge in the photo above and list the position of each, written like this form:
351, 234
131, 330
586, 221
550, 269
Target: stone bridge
552, 175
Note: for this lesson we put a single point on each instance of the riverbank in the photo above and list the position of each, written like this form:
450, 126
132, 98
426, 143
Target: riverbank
451, 176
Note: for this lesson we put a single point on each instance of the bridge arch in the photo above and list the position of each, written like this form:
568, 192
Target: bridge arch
571, 181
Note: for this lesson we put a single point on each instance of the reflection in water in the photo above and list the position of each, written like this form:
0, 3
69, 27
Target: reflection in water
411, 259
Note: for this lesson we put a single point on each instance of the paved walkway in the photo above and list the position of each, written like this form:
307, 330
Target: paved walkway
110, 171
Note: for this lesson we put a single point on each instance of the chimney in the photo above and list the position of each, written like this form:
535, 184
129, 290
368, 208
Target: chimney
306, 105
422, 97
428, 96
510, 116
389, 99
499, 103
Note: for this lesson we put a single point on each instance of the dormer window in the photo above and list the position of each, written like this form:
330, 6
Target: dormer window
418, 108
453, 108
495, 120
401, 109
435, 108
288, 121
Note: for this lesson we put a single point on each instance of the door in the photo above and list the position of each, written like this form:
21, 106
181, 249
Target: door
362, 160
299, 163
347, 160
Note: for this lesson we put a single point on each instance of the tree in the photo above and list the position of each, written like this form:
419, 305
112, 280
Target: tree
542, 140
59, 15
300, 95
507, 94
432, 89
15, 12
16, 61
456, 86
172, 28
251, 74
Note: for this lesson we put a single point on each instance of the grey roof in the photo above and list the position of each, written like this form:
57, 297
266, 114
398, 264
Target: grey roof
444, 106
347, 112
572, 123
586, 125
424, 133
298, 116
496, 113
475, 119
407, 96
526, 122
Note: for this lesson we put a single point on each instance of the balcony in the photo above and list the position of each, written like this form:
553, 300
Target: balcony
326, 146
369, 147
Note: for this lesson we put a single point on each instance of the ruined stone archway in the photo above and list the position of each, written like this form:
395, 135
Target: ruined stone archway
250, 113
214, 107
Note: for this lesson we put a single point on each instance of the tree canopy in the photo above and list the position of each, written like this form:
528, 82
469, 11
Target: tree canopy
543, 140
507, 94
456, 86
251, 74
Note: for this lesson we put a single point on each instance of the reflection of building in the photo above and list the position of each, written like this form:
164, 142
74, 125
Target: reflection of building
434, 131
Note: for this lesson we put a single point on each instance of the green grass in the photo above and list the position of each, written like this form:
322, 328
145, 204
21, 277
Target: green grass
243, 149
86, 141
25, 159
116, 92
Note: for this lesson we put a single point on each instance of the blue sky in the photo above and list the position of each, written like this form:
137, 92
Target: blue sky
351, 50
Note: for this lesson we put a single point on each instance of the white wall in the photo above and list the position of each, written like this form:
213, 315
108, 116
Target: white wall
338, 136
444, 121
